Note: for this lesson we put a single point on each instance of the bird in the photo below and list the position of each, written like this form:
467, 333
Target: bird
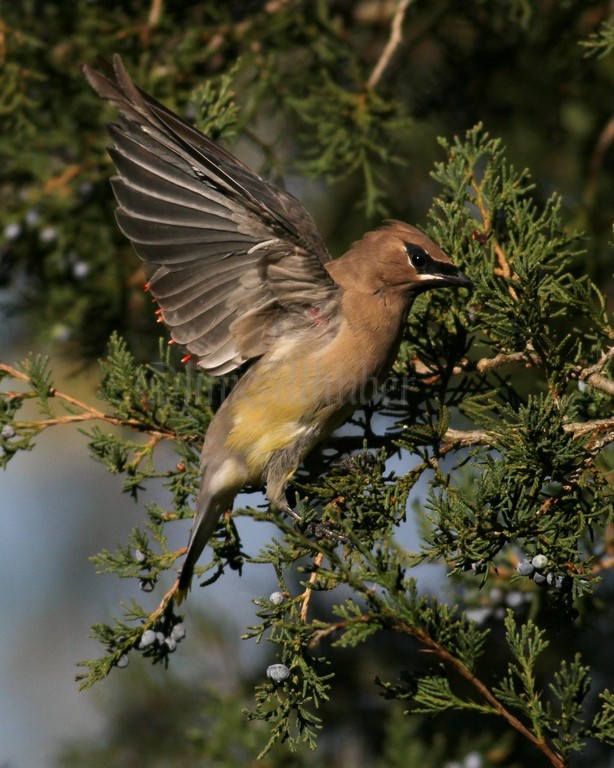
242, 276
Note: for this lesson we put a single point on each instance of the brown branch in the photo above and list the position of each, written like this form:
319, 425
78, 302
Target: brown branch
598, 426
591, 375
153, 20
444, 654
489, 363
482, 689
306, 596
503, 270
56, 182
606, 137
89, 412
396, 35
154, 14
79, 417
155, 615
598, 381
459, 438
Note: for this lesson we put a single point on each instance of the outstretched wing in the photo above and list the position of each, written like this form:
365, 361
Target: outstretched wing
233, 261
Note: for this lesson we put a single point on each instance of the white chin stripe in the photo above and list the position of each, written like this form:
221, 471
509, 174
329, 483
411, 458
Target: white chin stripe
430, 277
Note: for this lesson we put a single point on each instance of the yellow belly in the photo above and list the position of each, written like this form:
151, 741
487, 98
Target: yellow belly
305, 388
279, 404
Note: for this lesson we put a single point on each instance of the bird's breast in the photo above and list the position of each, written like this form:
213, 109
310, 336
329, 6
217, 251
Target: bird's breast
307, 385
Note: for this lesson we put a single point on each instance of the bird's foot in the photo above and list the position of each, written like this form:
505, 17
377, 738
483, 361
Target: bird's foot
326, 530
292, 513
321, 530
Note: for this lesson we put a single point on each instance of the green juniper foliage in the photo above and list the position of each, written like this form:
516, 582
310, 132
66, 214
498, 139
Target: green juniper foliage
536, 487
495, 428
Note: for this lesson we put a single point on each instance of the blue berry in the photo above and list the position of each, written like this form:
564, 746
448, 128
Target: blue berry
147, 638
139, 556
473, 760
277, 598
539, 578
80, 270
539, 562
33, 217
278, 673
171, 644
178, 632
47, 234
122, 661
514, 599
525, 568
146, 585
8, 431
12, 231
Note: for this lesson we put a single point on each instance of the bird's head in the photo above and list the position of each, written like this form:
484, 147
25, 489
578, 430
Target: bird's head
398, 258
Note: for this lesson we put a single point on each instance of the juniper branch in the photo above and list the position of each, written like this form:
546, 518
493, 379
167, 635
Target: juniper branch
89, 413
396, 36
444, 654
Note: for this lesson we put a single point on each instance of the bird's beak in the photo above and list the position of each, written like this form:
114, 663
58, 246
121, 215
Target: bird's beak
442, 276
459, 279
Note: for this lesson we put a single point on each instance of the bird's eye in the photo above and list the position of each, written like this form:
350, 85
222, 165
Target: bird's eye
418, 257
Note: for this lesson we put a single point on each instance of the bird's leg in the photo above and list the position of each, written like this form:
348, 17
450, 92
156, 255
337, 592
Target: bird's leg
290, 512
277, 498
275, 491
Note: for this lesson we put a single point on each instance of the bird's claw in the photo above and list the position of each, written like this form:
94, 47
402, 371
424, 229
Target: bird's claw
326, 530
320, 530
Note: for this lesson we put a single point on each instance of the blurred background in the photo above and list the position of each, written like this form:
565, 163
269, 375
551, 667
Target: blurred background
536, 74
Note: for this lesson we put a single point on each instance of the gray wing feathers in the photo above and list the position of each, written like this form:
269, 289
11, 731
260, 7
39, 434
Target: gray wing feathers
232, 261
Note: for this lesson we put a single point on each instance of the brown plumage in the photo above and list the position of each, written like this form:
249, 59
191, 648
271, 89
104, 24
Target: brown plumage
240, 272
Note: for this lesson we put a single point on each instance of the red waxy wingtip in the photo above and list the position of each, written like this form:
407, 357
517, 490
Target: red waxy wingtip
172, 341
147, 287
186, 358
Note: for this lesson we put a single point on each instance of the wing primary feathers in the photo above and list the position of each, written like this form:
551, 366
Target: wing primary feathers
218, 242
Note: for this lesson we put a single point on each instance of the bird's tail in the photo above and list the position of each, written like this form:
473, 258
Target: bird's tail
209, 509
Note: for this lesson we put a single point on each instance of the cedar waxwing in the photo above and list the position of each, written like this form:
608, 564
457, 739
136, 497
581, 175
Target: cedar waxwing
241, 273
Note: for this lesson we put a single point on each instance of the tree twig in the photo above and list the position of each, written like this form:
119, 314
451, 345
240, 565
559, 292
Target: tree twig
593, 376
606, 137
153, 19
464, 438
489, 363
444, 654
89, 412
396, 35
306, 596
